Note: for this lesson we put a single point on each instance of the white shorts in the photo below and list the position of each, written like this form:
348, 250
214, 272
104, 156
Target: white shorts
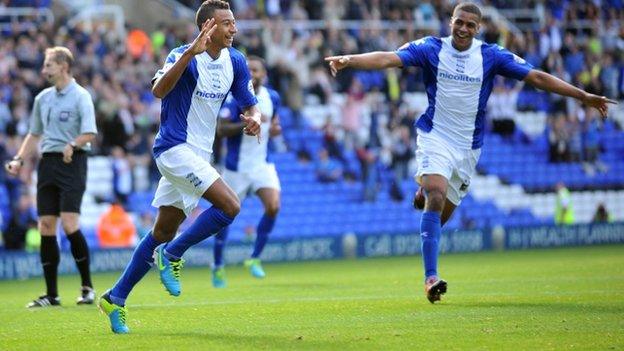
186, 175
436, 156
264, 176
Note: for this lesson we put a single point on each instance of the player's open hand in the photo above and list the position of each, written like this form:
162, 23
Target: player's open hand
200, 44
252, 124
336, 63
600, 103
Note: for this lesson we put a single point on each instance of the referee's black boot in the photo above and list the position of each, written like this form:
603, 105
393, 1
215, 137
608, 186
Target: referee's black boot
44, 301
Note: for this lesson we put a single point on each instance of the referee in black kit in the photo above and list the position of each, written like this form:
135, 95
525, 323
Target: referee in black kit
63, 118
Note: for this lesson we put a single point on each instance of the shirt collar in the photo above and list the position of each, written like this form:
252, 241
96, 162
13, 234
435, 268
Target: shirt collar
67, 88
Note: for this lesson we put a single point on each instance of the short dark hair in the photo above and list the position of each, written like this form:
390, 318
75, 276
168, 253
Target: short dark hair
468, 7
257, 58
207, 9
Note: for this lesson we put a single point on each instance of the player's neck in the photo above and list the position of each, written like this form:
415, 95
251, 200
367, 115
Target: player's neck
63, 82
214, 51
458, 48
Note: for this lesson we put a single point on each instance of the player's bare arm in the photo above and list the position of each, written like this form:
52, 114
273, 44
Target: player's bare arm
372, 60
251, 119
550, 83
164, 84
227, 128
26, 149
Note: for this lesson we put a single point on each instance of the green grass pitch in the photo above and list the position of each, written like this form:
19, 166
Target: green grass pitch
570, 299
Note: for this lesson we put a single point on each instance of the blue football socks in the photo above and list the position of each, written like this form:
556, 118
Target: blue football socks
138, 266
219, 244
262, 234
430, 227
210, 222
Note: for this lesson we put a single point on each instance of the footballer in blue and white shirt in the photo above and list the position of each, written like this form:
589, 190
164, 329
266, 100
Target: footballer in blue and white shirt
458, 85
459, 73
248, 169
188, 123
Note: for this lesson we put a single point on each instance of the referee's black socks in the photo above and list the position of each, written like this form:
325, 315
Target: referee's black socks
49, 261
80, 251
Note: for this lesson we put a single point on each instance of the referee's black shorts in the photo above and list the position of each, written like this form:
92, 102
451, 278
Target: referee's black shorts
60, 185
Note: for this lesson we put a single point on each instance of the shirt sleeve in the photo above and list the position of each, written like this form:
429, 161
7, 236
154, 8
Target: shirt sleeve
242, 88
36, 123
173, 56
276, 100
511, 65
413, 53
87, 114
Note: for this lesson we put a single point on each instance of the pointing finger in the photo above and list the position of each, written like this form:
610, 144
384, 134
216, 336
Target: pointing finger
609, 101
333, 58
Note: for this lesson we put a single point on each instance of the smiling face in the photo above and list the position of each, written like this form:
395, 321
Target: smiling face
464, 27
223, 35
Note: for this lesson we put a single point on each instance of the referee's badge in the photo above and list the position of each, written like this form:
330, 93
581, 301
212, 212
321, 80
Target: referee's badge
64, 117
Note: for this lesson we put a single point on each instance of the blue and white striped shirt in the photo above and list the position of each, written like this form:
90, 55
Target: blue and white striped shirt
458, 85
189, 111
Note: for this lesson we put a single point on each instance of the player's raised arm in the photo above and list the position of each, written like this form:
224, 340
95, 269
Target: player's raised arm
163, 85
372, 60
550, 83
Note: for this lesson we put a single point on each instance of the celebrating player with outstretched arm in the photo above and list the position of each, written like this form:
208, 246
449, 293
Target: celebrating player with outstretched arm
458, 71
193, 83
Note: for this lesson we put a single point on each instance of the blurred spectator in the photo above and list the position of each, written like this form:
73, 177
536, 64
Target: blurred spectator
320, 84
369, 162
23, 219
352, 112
574, 58
602, 215
139, 44
33, 239
502, 107
575, 144
609, 76
327, 169
558, 139
403, 147
122, 175
145, 224
591, 144
115, 228
564, 211
335, 150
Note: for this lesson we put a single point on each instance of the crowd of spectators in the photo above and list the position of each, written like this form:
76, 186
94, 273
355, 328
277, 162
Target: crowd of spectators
373, 122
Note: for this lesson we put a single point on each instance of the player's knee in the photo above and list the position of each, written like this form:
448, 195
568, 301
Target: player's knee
272, 210
69, 226
231, 208
47, 226
163, 234
435, 200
